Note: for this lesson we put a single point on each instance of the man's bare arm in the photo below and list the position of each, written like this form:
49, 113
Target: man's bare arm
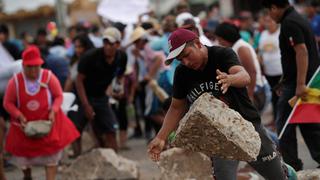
176, 111
302, 68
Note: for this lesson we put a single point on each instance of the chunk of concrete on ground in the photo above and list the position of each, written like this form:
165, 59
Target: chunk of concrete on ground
101, 164
180, 164
310, 174
214, 129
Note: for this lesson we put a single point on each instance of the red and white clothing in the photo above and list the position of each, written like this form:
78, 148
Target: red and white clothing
36, 106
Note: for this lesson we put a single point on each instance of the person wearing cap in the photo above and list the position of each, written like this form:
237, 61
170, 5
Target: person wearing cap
216, 70
96, 69
188, 21
35, 94
150, 63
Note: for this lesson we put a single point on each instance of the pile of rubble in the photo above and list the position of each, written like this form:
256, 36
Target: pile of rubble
310, 174
180, 164
101, 164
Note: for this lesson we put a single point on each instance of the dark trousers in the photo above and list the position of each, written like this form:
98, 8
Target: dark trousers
288, 143
273, 81
140, 103
121, 114
268, 163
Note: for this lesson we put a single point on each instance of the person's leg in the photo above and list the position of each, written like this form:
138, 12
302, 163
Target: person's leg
137, 129
79, 120
3, 117
110, 141
123, 122
268, 163
51, 172
123, 140
105, 124
288, 142
147, 122
27, 174
311, 135
76, 147
273, 81
224, 169
2, 136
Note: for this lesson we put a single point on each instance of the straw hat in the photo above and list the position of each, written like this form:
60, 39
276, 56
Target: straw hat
138, 33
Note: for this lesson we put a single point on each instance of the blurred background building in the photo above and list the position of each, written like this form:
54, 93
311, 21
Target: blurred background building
21, 15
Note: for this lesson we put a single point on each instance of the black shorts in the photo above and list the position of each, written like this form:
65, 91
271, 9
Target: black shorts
104, 120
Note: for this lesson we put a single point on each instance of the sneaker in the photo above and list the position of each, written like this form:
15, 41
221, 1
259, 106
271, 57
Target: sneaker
291, 173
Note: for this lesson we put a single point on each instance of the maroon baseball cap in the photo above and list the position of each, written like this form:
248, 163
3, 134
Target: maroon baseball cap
177, 42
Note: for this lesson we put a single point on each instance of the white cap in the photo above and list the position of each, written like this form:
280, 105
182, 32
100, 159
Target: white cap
112, 34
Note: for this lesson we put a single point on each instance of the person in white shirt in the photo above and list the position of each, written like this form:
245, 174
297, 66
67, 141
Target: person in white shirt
228, 35
270, 55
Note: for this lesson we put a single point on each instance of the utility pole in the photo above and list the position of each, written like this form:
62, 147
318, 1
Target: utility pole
61, 15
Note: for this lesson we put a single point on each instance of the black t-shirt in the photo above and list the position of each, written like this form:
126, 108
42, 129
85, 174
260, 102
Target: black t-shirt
98, 72
296, 30
190, 84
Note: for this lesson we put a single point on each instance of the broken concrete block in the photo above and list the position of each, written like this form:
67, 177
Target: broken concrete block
101, 164
214, 129
310, 174
180, 164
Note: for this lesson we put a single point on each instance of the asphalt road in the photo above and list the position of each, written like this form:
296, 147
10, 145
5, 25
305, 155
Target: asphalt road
148, 169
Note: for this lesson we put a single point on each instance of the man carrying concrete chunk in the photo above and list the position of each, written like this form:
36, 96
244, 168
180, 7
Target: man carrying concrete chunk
216, 70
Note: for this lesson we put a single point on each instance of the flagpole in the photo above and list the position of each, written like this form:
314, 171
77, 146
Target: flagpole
295, 106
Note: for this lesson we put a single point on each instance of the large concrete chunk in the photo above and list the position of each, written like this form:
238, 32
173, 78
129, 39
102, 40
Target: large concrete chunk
310, 174
180, 164
101, 164
214, 129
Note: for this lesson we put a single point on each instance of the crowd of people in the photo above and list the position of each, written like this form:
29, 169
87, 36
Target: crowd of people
116, 73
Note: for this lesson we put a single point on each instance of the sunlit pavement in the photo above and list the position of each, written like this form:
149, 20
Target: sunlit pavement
148, 169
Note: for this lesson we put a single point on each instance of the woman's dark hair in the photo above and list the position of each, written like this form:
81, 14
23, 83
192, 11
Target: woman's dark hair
4, 29
42, 32
58, 41
85, 43
278, 3
228, 32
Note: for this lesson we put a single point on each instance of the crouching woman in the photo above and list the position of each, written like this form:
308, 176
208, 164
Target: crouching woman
33, 95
